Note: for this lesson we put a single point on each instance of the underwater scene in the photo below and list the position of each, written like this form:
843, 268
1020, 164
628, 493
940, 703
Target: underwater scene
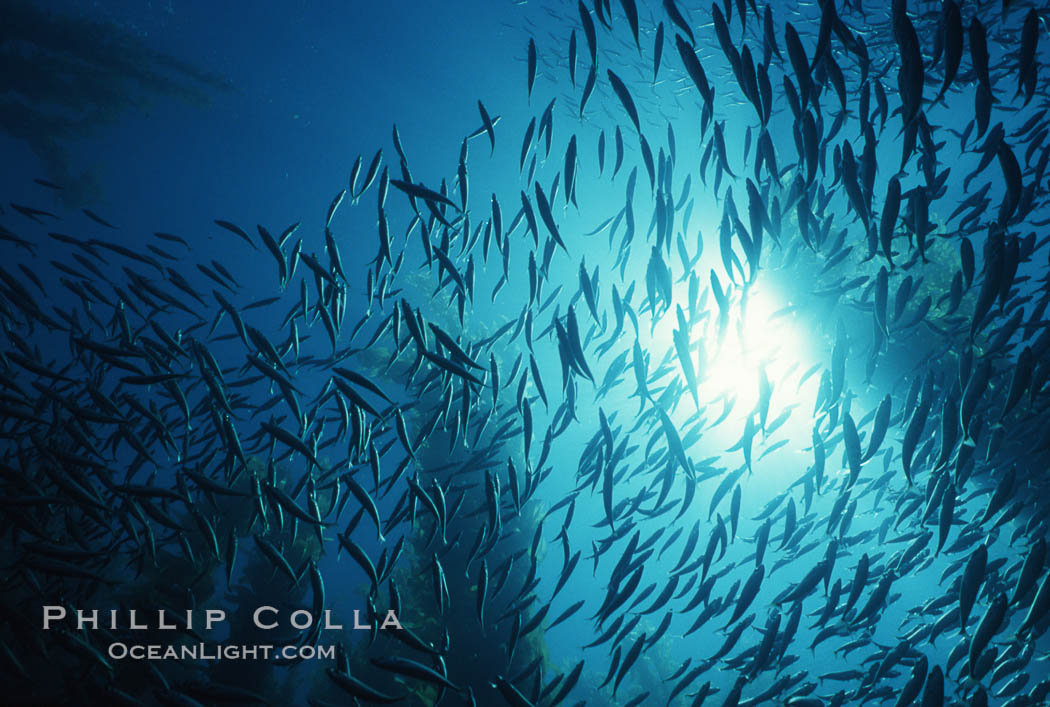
525, 353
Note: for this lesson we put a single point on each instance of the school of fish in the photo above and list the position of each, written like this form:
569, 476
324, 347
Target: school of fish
516, 394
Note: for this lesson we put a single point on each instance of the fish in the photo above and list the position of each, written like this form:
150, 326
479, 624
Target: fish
630, 11
236, 230
413, 669
625, 98
671, 8
489, 125
532, 64
98, 219
952, 28
986, 629
421, 192
544, 207
589, 32
359, 690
